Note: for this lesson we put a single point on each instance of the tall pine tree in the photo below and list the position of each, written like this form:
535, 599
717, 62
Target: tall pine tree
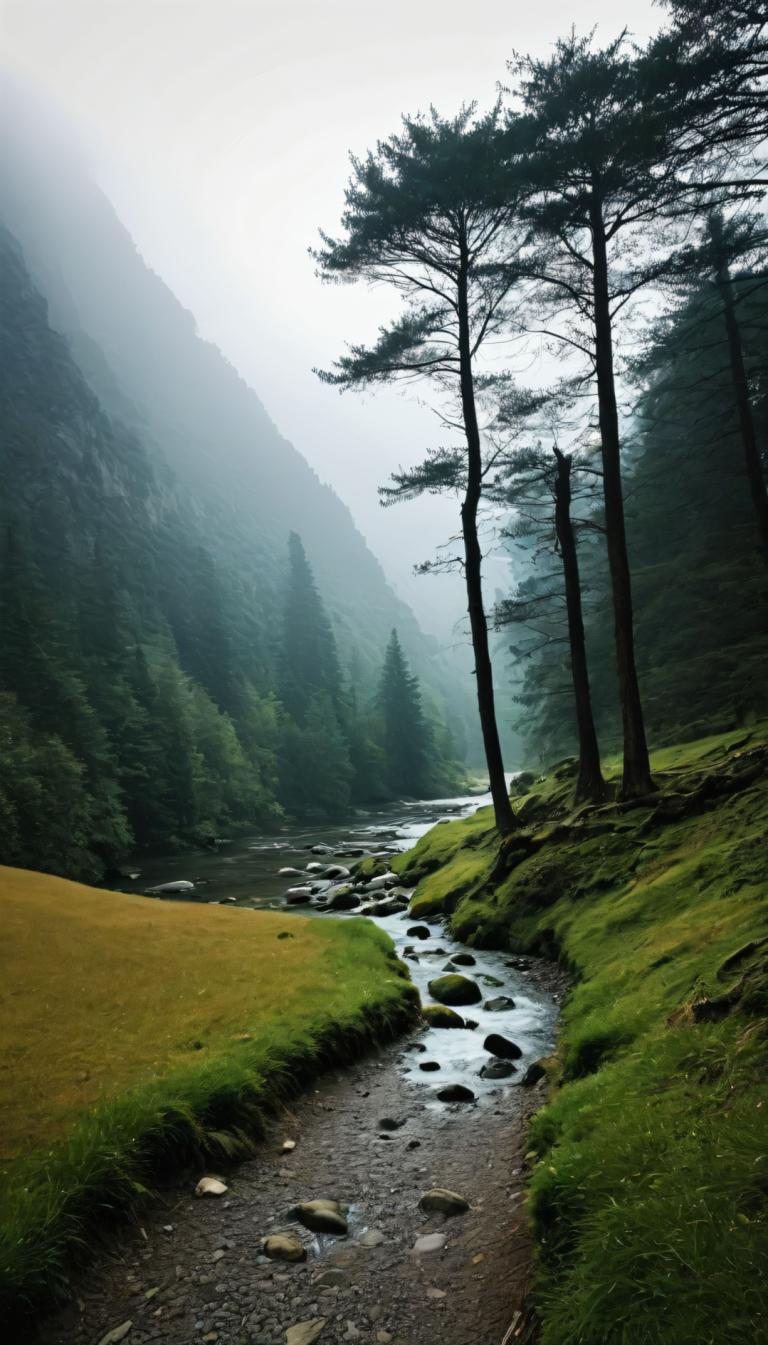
406, 734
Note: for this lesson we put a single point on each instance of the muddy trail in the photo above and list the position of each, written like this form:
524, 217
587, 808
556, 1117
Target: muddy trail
374, 1137
194, 1271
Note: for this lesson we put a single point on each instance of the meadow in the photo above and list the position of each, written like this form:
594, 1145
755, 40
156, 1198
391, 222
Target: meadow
138, 1035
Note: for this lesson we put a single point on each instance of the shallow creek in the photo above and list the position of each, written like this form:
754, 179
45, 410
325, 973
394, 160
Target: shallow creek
194, 1271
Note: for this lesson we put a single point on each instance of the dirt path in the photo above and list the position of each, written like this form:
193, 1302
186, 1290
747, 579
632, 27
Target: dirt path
194, 1271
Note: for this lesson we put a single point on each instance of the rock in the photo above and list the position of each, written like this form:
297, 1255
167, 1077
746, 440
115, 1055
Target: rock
441, 1201
471, 1024
389, 1123
429, 1242
463, 959
413, 1144
298, 896
343, 900
304, 1333
372, 1237
492, 981
315, 868
336, 871
455, 1092
497, 1069
333, 1278
321, 1216
534, 1073
181, 885
518, 963
210, 1186
383, 880
455, 989
432, 1292
418, 932
288, 1146
439, 1015
384, 908
289, 873
429, 1066
284, 1247
500, 1046
117, 1334
498, 1004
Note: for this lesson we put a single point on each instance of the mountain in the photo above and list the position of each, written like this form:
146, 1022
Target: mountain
146, 510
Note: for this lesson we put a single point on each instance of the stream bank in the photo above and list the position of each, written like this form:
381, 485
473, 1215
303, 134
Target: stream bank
195, 1270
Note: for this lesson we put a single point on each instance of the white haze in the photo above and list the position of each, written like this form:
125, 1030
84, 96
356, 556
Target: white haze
220, 129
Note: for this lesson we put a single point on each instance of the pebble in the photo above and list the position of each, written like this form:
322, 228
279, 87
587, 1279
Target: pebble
429, 1242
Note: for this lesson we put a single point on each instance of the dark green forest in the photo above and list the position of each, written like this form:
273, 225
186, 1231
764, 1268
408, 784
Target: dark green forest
152, 695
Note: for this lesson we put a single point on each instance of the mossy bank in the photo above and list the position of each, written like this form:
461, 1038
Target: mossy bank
142, 1035
649, 1176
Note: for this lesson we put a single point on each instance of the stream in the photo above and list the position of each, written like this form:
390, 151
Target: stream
373, 1136
246, 873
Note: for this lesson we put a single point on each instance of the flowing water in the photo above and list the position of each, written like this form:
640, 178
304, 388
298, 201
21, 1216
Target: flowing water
245, 873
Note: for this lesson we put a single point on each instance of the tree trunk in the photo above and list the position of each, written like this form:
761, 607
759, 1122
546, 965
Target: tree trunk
505, 818
590, 785
754, 470
637, 768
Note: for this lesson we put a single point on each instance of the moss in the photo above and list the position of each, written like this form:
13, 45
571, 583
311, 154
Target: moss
649, 1193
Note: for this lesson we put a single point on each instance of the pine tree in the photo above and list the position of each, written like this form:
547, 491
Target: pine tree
308, 662
406, 735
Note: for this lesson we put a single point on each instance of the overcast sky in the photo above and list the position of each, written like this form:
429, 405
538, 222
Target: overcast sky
221, 129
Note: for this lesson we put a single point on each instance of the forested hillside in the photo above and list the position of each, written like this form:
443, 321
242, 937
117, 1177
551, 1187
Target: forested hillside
170, 668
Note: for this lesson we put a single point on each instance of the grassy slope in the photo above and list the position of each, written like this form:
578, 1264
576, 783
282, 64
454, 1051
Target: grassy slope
143, 1033
649, 1184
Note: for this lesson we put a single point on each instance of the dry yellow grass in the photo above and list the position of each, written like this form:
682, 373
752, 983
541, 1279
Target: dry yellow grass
100, 991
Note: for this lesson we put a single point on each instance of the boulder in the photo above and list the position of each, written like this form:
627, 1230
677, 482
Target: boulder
336, 871
455, 989
372, 1237
284, 1247
321, 1216
298, 896
463, 959
439, 1015
455, 1092
315, 868
384, 908
289, 873
343, 900
418, 932
534, 1073
321, 849
383, 880
429, 1066
441, 1201
181, 885
498, 1004
492, 981
500, 1046
497, 1069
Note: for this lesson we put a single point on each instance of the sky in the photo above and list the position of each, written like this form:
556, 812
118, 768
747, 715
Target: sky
221, 131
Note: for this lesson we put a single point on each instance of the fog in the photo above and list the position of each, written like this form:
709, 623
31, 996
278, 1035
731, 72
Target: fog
220, 129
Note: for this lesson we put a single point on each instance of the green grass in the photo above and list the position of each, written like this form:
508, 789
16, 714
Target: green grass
649, 1177
140, 1035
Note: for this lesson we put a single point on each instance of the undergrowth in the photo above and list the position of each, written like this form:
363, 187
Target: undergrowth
649, 1175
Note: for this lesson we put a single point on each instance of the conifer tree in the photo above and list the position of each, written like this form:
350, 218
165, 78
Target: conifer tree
406, 735
309, 663
428, 213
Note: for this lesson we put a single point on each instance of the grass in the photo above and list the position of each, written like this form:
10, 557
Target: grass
138, 1035
649, 1171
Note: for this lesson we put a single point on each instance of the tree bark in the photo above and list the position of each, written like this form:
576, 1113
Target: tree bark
505, 818
752, 464
637, 768
590, 785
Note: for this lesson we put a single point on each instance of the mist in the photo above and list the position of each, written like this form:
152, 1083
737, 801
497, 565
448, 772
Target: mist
221, 135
